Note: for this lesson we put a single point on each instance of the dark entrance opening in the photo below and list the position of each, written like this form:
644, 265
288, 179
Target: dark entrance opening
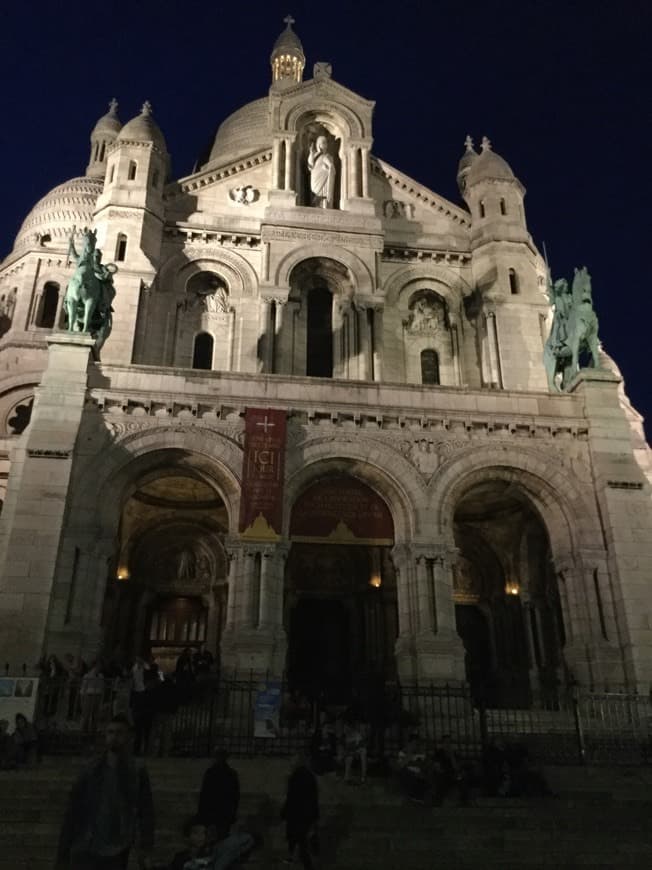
319, 356
472, 627
319, 656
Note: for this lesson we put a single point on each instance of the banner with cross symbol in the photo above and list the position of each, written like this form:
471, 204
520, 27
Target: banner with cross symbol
261, 501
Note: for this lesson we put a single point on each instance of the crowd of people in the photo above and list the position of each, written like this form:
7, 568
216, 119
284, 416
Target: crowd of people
18, 748
87, 694
110, 811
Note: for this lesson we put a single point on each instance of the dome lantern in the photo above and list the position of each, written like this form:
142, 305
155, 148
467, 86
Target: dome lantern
104, 134
287, 59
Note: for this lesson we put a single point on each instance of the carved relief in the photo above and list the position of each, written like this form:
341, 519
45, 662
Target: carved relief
244, 195
427, 315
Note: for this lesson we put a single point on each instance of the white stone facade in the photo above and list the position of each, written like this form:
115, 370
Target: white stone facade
235, 251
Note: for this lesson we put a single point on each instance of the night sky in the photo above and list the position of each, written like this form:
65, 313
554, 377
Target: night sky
561, 88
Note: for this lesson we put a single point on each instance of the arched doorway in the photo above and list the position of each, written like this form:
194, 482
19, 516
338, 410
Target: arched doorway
507, 604
340, 590
168, 586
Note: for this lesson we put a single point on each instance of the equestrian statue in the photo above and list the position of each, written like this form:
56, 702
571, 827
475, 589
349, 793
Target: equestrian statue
574, 329
90, 291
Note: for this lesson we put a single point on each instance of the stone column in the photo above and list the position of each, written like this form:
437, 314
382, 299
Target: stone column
455, 344
439, 648
365, 344
365, 172
289, 154
378, 344
404, 647
33, 513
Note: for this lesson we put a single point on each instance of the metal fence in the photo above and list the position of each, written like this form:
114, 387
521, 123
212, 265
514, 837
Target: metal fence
580, 727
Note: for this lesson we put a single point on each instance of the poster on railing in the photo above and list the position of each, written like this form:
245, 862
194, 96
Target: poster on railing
267, 711
17, 695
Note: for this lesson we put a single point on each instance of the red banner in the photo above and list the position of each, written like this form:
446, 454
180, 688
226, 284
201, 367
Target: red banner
341, 510
261, 500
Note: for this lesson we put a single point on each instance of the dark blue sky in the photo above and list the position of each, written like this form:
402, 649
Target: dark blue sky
561, 88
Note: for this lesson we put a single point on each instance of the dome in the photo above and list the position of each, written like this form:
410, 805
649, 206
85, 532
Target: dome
489, 165
243, 132
288, 42
69, 205
143, 128
108, 124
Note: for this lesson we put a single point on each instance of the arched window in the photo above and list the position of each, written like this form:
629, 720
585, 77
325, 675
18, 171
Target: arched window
319, 350
513, 282
102, 150
503, 207
111, 174
155, 178
202, 355
49, 304
429, 367
131, 173
482, 211
121, 247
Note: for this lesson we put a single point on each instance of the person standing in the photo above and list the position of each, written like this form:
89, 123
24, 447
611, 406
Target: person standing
139, 704
219, 797
91, 693
301, 811
109, 807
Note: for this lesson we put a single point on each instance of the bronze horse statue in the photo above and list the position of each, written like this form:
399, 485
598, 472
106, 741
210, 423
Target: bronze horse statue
84, 290
574, 329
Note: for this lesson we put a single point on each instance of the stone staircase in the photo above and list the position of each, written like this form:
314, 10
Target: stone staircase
600, 819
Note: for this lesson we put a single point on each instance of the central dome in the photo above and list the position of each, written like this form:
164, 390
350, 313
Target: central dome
244, 132
69, 205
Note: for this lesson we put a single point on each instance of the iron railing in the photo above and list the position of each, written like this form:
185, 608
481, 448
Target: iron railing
579, 727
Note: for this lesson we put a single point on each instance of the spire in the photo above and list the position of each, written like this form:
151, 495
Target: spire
468, 144
463, 167
287, 59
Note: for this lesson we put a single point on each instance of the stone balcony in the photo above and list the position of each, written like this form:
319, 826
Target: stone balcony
150, 390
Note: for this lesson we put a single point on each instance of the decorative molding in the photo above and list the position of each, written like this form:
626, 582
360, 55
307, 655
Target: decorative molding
624, 484
295, 234
48, 453
394, 253
201, 180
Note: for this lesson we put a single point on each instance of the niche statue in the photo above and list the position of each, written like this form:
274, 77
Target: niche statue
574, 329
322, 174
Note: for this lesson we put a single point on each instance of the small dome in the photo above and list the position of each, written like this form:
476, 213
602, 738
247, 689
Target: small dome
108, 124
489, 165
287, 58
288, 42
143, 128
69, 205
468, 157
244, 132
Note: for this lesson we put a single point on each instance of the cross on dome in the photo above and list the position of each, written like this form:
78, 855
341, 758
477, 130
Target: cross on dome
468, 143
113, 106
147, 108
486, 144
289, 20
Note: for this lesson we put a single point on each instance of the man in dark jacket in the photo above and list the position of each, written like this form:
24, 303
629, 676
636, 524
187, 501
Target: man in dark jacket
219, 797
109, 806
301, 811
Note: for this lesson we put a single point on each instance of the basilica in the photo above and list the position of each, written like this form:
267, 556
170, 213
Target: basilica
318, 436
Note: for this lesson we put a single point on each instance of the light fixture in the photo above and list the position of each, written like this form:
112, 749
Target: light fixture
123, 573
512, 588
375, 581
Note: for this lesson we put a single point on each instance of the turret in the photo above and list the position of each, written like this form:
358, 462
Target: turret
287, 59
507, 271
103, 136
129, 219
493, 194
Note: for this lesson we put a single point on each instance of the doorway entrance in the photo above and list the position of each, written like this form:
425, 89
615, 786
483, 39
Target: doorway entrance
340, 591
320, 657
